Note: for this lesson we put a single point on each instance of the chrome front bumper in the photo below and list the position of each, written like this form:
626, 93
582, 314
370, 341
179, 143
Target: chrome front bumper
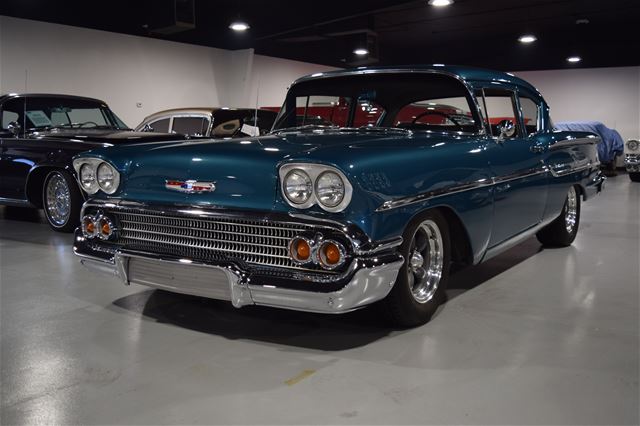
369, 281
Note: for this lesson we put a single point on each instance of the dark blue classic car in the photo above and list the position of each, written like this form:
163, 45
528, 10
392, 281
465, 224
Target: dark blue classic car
445, 166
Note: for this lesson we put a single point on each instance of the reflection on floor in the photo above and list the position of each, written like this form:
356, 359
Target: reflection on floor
533, 336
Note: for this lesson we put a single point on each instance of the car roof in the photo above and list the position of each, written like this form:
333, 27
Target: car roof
196, 110
463, 73
48, 95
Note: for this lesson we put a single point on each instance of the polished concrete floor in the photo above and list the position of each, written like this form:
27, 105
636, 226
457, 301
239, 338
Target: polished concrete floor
532, 337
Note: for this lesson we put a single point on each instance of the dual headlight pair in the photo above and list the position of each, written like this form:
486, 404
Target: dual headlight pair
304, 185
94, 175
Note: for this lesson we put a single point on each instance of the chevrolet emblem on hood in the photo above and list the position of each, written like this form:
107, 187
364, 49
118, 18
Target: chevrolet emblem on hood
190, 186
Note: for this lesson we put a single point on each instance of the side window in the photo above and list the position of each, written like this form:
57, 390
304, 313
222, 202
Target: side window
160, 126
441, 114
530, 111
12, 111
499, 105
190, 125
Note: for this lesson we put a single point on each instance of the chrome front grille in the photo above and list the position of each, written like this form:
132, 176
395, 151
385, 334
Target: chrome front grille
258, 243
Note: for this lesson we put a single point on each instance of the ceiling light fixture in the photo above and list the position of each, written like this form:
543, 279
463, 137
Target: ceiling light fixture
440, 3
239, 26
361, 52
527, 38
574, 59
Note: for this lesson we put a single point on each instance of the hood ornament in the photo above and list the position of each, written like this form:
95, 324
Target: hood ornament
190, 186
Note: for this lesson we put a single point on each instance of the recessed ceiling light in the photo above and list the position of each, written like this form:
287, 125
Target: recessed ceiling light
239, 26
527, 38
361, 52
440, 3
574, 59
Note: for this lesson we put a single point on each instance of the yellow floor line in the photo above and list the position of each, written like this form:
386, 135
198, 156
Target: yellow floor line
303, 375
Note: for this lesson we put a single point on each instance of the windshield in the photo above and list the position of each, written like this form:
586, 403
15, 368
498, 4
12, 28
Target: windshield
412, 101
49, 113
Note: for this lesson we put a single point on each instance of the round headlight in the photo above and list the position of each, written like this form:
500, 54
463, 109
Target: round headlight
633, 145
88, 179
107, 178
297, 186
329, 189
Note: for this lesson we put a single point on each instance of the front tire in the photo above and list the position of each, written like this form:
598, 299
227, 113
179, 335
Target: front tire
562, 231
420, 286
634, 176
61, 201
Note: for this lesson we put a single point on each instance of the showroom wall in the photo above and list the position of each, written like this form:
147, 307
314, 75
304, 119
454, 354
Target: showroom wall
125, 70
609, 95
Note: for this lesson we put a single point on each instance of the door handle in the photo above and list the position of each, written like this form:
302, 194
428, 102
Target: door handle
537, 149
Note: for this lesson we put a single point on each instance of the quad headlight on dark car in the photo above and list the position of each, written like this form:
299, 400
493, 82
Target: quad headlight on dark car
304, 185
95, 174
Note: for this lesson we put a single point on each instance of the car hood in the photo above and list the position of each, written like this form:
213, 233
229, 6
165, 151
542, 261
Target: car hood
245, 171
108, 136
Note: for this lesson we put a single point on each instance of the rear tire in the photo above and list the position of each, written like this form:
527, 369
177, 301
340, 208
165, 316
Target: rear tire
562, 231
420, 286
61, 201
634, 176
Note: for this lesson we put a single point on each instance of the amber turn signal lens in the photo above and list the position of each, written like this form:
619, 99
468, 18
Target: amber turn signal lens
300, 250
331, 253
88, 227
105, 228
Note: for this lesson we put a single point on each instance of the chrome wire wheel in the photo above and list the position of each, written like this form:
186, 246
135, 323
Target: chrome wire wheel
425, 262
58, 199
571, 214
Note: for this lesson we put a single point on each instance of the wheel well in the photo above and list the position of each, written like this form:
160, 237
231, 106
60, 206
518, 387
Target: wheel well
35, 184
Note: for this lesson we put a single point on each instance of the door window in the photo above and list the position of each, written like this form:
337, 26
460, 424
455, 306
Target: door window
160, 126
498, 105
190, 125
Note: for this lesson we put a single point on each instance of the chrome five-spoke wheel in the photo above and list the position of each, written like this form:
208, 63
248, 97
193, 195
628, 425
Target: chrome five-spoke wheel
426, 260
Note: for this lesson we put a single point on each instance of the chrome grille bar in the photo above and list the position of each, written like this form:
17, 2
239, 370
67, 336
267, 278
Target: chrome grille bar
258, 243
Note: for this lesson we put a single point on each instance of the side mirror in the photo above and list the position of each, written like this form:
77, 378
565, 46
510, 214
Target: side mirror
147, 128
14, 128
507, 130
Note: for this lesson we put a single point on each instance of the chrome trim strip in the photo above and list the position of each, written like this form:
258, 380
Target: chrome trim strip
467, 186
589, 140
15, 202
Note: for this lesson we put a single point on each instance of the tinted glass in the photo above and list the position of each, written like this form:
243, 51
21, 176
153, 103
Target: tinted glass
12, 110
160, 126
190, 125
322, 110
42, 113
441, 114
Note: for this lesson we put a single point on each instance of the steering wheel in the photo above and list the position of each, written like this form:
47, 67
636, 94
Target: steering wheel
87, 122
443, 114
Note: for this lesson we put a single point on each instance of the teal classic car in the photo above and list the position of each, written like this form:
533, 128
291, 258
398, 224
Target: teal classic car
448, 166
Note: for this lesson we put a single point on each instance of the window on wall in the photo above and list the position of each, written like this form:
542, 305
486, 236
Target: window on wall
498, 105
530, 115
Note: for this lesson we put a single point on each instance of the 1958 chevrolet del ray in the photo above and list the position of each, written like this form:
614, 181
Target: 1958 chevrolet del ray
448, 166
